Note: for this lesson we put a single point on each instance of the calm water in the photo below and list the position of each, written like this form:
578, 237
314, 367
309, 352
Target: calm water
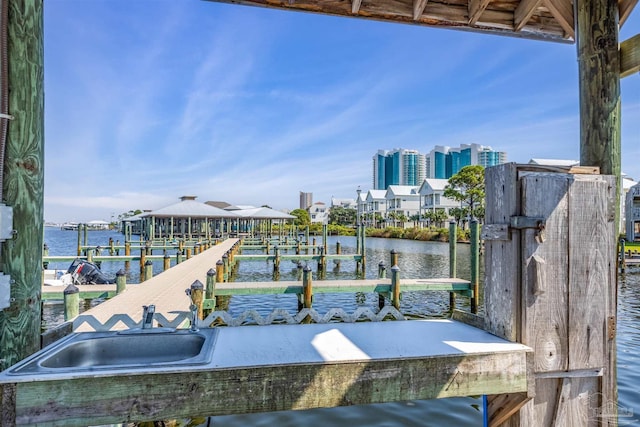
416, 259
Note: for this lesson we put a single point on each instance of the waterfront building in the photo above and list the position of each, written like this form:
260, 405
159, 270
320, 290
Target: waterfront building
633, 214
398, 167
432, 197
443, 162
344, 203
375, 208
318, 213
306, 200
403, 201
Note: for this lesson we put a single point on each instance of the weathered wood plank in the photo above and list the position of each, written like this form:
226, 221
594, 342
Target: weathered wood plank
524, 12
545, 276
23, 180
630, 56
592, 201
503, 406
502, 260
418, 8
562, 10
477, 8
626, 7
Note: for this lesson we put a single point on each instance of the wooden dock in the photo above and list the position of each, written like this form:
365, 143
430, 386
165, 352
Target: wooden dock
166, 290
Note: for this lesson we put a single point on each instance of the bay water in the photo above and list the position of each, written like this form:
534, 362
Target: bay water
416, 260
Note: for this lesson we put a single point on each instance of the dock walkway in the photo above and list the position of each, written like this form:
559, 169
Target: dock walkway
166, 291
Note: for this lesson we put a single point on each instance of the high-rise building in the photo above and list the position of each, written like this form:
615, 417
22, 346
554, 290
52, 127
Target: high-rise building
443, 162
398, 167
306, 200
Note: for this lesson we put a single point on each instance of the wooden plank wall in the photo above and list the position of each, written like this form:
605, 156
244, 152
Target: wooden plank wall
567, 294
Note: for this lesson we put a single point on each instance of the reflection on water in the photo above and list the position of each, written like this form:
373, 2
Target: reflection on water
416, 260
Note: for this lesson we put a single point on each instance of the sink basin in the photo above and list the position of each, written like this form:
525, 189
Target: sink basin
116, 350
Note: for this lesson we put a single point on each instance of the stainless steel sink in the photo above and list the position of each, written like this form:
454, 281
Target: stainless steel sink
143, 348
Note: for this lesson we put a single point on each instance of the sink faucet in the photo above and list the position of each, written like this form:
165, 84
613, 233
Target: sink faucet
194, 317
147, 316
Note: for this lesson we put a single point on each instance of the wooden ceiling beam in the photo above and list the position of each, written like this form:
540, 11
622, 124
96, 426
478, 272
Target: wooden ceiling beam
524, 12
630, 56
418, 8
625, 7
562, 10
355, 6
476, 7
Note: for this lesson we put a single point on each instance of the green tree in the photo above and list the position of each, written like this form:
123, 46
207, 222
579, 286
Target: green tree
458, 214
439, 216
342, 216
302, 217
467, 187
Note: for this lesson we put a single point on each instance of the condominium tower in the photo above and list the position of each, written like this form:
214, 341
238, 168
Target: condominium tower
306, 200
398, 167
444, 162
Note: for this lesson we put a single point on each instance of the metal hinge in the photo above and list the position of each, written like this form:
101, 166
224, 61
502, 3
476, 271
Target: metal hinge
503, 231
611, 327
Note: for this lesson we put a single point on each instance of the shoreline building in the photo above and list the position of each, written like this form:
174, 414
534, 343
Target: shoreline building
306, 200
443, 162
398, 167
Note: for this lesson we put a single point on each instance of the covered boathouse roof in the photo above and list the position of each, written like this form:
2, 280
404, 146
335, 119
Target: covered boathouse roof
189, 207
551, 20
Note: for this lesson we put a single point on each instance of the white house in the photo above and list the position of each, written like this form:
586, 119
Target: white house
432, 196
402, 200
318, 213
375, 207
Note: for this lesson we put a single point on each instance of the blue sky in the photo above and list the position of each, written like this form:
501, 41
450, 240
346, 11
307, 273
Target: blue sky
149, 100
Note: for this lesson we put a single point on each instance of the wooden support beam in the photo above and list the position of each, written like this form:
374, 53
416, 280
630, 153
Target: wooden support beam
418, 8
23, 182
562, 10
599, 77
355, 6
630, 56
626, 7
503, 406
476, 7
524, 12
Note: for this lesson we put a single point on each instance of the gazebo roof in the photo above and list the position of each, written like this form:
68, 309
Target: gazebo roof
189, 207
537, 19
263, 213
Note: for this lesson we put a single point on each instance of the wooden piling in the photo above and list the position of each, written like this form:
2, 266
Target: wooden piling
127, 252
475, 264
395, 286
23, 180
219, 271
45, 253
167, 262
623, 260
197, 296
188, 253
71, 302
453, 240
143, 259
121, 281
307, 287
382, 274
79, 251
148, 270
394, 257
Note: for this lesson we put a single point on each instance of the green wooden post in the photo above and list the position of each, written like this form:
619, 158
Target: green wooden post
363, 250
85, 230
382, 274
276, 261
79, 252
623, 261
111, 248
71, 302
90, 255
148, 270
394, 257
121, 281
475, 264
325, 237
178, 257
23, 180
395, 286
225, 267
453, 237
